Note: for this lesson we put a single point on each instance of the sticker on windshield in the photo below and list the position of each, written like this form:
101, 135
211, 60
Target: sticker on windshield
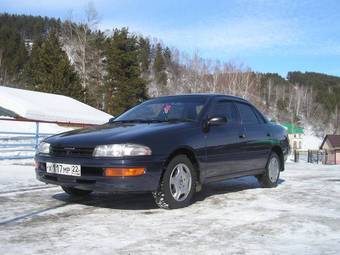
167, 108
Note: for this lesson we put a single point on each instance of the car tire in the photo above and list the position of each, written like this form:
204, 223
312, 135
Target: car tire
270, 177
76, 192
178, 184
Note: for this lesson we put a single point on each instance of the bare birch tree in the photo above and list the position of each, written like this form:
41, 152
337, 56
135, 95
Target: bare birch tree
77, 41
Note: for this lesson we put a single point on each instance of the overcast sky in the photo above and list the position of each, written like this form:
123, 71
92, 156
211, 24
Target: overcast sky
268, 36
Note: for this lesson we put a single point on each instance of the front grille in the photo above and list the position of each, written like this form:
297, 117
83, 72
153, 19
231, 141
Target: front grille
91, 171
71, 152
85, 181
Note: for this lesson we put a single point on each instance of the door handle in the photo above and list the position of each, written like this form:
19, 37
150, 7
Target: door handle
268, 134
242, 136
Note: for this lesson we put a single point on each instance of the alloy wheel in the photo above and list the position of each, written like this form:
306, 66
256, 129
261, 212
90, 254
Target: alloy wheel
180, 182
273, 169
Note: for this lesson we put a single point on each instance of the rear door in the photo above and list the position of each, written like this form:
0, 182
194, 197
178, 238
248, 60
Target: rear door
223, 142
256, 135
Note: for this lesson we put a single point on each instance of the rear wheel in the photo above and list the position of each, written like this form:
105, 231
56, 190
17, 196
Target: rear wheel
178, 184
270, 177
76, 192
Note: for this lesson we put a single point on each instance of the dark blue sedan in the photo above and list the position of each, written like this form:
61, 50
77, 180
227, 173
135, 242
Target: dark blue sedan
169, 146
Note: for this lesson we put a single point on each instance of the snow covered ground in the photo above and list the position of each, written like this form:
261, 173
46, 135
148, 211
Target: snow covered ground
300, 216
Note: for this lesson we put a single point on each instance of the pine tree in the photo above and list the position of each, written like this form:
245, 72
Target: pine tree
159, 69
13, 55
145, 55
167, 56
124, 84
49, 69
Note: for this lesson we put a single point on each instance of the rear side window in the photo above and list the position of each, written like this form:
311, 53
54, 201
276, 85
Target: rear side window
247, 114
260, 117
225, 109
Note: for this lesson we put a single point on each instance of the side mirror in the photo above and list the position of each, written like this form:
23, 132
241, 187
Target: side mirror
112, 119
216, 121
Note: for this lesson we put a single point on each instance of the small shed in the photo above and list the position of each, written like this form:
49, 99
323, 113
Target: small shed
46, 107
331, 146
295, 135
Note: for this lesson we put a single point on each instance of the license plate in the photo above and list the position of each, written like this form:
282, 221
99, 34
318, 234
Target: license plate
65, 169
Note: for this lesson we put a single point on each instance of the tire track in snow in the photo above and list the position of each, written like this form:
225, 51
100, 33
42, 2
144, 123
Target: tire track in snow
25, 190
125, 202
34, 213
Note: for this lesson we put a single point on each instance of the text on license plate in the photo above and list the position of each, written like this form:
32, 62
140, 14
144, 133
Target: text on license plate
66, 169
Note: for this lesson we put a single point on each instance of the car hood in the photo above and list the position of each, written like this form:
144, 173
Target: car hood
115, 133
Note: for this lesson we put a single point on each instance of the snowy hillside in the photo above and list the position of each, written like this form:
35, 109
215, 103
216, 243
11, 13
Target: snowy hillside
310, 140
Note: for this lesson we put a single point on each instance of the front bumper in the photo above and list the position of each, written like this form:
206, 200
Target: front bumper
92, 177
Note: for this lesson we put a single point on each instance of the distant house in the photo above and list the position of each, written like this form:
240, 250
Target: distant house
295, 135
331, 146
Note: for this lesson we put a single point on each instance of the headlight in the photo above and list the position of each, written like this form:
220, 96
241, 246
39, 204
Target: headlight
43, 148
121, 150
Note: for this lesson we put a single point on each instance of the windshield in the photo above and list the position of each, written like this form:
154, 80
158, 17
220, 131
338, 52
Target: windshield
165, 109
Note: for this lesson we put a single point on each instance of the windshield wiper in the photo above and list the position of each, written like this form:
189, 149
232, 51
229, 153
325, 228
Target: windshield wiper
138, 121
180, 120
129, 121
153, 120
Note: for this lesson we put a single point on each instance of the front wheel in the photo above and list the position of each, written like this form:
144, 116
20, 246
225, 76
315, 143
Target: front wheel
76, 192
178, 184
270, 177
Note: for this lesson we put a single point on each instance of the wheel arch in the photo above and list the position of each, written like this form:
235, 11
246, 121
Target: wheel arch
189, 152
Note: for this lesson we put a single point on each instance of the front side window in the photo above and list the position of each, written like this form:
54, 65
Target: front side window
247, 114
224, 109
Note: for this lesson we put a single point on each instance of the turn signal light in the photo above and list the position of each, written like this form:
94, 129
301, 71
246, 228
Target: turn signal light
122, 171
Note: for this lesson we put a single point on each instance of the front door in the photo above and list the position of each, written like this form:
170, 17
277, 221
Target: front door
223, 142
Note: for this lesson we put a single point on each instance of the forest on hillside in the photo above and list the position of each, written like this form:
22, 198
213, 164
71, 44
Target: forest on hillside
114, 70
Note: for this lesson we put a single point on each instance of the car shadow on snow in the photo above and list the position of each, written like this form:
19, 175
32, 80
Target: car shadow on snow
131, 201
145, 201
229, 186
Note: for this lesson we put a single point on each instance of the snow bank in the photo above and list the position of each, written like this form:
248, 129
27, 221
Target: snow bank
49, 107
17, 177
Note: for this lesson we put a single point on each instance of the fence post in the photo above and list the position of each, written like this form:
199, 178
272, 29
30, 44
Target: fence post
308, 157
36, 134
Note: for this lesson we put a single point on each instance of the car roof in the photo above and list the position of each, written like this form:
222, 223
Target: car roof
208, 95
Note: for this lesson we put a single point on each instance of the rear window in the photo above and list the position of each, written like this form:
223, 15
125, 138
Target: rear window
260, 117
